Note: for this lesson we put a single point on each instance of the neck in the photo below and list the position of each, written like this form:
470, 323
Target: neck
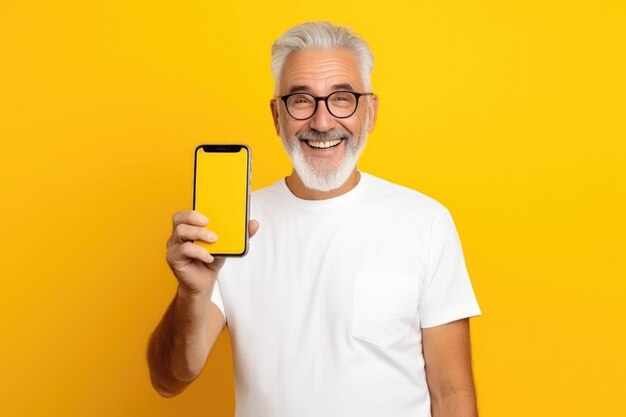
297, 187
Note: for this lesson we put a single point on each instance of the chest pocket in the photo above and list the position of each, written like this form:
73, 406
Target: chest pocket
384, 306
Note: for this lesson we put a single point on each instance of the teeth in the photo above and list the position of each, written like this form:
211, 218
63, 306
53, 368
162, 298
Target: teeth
324, 145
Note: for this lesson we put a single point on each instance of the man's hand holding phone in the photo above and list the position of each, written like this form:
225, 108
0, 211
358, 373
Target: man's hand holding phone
194, 267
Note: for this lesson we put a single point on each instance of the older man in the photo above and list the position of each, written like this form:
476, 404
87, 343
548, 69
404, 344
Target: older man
354, 297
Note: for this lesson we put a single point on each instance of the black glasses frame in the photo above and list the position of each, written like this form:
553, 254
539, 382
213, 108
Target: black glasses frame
325, 100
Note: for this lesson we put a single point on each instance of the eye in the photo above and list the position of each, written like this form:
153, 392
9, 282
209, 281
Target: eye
300, 100
342, 98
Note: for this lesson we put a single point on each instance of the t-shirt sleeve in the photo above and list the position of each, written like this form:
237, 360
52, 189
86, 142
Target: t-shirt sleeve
448, 294
216, 298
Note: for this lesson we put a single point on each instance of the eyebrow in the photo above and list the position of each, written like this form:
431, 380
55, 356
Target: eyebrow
335, 87
344, 86
298, 88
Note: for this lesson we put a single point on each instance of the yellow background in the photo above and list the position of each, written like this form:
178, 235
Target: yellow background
509, 113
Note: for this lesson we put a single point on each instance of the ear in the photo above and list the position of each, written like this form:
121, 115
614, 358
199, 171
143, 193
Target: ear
373, 107
274, 109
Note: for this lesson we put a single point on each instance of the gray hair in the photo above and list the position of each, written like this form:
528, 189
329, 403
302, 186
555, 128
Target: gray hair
322, 35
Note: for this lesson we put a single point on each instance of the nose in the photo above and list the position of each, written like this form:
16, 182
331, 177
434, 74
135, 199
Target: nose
322, 120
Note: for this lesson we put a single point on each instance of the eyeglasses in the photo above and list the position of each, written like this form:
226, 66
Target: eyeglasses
340, 104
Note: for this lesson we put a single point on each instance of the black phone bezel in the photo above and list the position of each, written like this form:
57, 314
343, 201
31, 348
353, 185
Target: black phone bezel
228, 148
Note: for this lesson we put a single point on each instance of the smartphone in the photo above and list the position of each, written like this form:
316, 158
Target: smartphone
221, 191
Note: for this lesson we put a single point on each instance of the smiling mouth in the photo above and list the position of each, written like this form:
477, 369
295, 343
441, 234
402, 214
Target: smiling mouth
326, 144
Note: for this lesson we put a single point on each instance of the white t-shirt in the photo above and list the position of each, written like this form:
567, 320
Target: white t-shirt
326, 308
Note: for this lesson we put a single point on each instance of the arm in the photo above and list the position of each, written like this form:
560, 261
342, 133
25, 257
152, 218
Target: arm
180, 344
449, 370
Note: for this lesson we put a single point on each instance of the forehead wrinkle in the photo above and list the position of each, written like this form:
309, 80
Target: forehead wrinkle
309, 71
320, 69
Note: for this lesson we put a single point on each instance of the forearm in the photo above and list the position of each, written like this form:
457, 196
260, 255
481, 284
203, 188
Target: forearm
449, 370
459, 403
179, 345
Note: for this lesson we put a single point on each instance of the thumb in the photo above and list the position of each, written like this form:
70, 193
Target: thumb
253, 226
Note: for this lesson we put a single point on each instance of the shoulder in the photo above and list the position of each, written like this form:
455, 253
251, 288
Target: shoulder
400, 197
268, 199
273, 191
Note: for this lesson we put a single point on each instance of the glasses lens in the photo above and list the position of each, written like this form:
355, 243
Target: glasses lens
342, 103
301, 106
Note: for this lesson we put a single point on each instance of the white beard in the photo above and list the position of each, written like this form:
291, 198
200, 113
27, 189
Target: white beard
316, 173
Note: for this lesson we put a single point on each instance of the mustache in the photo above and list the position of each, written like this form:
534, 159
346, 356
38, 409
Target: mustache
332, 134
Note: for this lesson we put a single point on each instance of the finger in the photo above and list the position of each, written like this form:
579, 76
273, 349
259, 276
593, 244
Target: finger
253, 226
187, 251
218, 263
192, 217
184, 232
